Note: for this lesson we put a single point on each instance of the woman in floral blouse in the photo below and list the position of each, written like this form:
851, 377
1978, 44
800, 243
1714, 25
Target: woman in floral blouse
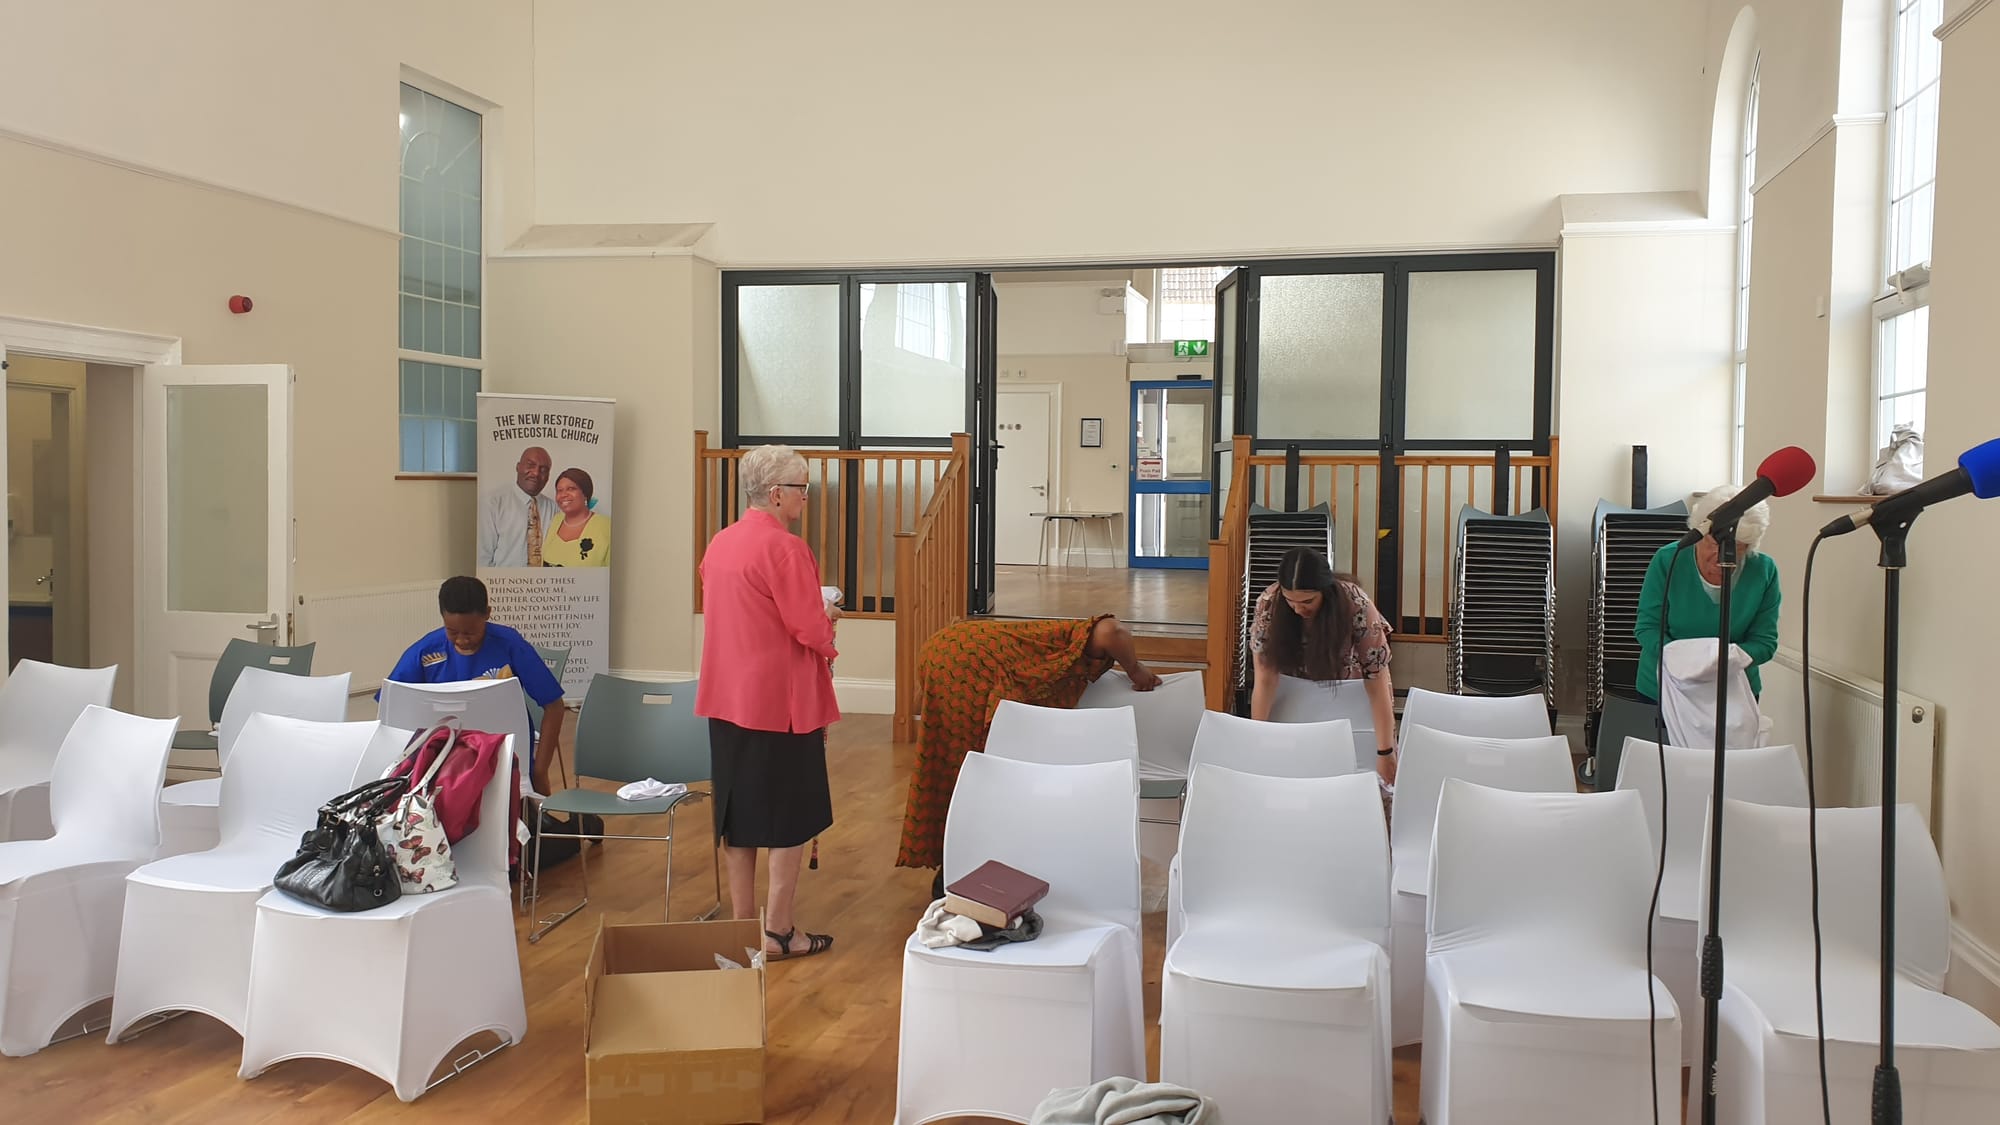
1316, 625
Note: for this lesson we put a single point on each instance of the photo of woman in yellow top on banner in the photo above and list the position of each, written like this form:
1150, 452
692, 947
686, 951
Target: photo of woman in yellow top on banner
582, 537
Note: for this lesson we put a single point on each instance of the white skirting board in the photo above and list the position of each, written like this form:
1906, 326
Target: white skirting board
1975, 973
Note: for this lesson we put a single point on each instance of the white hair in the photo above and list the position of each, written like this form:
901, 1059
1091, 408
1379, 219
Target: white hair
766, 467
1749, 530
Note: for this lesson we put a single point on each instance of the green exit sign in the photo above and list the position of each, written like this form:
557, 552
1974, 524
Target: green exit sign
1186, 348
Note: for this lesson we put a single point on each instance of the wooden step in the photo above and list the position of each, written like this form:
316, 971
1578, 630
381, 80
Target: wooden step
1172, 652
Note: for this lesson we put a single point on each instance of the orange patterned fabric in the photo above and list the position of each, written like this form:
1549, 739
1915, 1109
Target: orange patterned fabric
967, 669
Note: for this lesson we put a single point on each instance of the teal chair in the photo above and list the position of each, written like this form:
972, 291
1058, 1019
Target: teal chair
629, 731
236, 656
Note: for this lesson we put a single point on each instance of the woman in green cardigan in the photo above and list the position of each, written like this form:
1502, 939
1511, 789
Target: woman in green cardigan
1692, 593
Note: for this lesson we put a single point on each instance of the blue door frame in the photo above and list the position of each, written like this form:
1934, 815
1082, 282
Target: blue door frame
1137, 488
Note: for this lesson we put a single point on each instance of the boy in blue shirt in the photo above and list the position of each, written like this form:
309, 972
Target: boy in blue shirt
469, 647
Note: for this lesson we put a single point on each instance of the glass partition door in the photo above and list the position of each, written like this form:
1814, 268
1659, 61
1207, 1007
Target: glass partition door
1171, 497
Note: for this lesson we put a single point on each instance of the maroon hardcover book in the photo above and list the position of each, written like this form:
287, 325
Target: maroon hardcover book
995, 891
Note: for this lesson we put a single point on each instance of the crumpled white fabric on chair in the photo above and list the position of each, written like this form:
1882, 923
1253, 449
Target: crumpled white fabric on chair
1126, 1101
940, 928
1689, 702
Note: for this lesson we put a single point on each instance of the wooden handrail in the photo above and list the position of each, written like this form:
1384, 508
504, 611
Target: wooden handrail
1225, 579
931, 578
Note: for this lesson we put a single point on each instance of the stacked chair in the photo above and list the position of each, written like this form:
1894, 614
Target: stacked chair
1503, 606
1623, 543
1271, 534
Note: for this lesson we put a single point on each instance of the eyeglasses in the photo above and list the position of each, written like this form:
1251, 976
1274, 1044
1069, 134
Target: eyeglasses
803, 488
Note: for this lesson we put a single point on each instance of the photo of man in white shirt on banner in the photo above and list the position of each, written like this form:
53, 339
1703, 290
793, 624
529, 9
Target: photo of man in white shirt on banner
514, 522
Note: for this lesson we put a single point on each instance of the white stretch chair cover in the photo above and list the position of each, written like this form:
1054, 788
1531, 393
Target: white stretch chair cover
392, 991
1055, 736
1490, 716
38, 704
1769, 775
1307, 701
1166, 716
1947, 1053
992, 1033
60, 898
493, 706
187, 810
1429, 757
1317, 749
1536, 1001
189, 918
1275, 998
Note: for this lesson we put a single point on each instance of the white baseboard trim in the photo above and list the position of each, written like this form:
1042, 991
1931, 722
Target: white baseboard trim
856, 696
1975, 972
865, 697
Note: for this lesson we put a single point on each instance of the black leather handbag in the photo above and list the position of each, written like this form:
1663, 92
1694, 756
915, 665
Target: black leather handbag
342, 863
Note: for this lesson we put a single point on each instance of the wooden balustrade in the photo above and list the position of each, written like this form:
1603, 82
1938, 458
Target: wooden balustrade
932, 573
860, 501
1225, 578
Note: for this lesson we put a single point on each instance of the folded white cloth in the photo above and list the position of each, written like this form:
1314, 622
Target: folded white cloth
1126, 1101
941, 928
649, 790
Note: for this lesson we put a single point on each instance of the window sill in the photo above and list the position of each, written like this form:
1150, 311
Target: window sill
437, 476
1857, 501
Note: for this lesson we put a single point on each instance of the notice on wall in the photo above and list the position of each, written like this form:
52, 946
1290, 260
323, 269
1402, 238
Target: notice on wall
546, 519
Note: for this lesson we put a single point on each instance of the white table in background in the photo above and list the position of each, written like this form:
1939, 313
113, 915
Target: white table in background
1080, 522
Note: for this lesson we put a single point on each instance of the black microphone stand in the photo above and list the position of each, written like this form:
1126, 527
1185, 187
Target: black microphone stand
1894, 534
1711, 945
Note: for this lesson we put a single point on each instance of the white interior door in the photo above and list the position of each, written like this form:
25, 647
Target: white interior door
1022, 478
215, 543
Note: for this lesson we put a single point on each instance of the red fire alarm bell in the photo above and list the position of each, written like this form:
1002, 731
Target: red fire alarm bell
239, 304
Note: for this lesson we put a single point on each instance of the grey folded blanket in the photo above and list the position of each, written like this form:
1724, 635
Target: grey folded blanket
1126, 1101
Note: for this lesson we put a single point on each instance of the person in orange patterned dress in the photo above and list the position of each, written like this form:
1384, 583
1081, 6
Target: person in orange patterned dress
966, 670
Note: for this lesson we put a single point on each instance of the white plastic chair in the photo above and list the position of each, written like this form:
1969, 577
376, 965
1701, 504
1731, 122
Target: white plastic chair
1947, 1053
1166, 718
189, 918
1769, 775
1267, 750
1535, 1004
188, 820
396, 990
1275, 999
992, 1033
1054, 736
1429, 758
1491, 716
61, 898
1307, 701
493, 706
38, 704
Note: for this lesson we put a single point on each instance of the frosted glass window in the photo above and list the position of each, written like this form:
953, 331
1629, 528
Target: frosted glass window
1471, 355
788, 359
437, 414
1319, 356
913, 338
1225, 348
218, 513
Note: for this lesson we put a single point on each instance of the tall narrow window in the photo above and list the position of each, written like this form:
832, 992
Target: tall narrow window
440, 288
1902, 343
1746, 206
1184, 300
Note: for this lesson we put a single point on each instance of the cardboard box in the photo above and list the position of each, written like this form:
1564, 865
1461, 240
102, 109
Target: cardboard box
670, 1038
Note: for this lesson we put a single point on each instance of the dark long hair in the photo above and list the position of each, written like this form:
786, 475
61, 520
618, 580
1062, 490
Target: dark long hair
1314, 648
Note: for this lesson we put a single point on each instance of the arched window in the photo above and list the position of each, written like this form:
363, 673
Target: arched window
1746, 203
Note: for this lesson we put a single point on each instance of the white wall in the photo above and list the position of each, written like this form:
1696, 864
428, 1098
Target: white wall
1057, 318
295, 102
1093, 386
997, 134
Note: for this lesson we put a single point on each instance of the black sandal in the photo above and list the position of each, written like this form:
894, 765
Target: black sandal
815, 943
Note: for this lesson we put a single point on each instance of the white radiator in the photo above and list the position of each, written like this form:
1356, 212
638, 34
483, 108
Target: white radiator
1847, 735
363, 632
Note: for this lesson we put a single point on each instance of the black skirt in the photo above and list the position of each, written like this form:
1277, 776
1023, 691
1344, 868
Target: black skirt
770, 788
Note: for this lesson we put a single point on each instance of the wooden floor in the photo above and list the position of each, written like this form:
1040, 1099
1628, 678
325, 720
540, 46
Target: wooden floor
832, 1018
1153, 597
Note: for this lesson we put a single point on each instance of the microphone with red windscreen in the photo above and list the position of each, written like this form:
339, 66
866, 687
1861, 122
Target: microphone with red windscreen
1781, 474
